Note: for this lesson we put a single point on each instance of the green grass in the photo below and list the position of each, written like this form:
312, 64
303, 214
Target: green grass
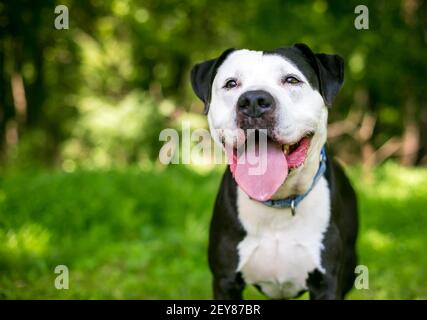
142, 234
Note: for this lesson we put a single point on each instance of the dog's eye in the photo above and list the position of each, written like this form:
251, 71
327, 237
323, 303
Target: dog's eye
291, 80
230, 84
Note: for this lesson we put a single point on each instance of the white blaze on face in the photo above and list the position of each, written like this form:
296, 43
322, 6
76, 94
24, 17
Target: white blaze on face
300, 109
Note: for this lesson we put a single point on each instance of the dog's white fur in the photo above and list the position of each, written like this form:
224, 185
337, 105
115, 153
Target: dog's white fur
279, 249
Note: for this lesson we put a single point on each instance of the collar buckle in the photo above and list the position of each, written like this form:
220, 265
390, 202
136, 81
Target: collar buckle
293, 207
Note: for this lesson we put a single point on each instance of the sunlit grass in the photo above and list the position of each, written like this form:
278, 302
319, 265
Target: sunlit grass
141, 233
392, 235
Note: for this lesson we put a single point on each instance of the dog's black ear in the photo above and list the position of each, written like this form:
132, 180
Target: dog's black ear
202, 76
329, 69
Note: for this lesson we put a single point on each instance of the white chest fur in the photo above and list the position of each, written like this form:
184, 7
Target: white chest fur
279, 249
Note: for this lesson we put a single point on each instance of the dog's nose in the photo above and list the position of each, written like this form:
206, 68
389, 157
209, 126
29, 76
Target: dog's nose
255, 103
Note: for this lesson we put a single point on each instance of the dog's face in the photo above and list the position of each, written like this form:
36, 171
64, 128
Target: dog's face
284, 92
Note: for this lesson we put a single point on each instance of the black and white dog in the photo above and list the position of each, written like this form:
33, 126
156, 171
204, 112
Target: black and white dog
294, 227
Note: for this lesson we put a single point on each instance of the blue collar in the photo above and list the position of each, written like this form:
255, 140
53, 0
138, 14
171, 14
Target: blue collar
293, 201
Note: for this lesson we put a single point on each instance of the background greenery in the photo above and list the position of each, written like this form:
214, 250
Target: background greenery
80, 116
142, 234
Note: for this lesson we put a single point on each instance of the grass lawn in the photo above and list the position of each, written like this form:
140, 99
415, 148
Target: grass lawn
142, 234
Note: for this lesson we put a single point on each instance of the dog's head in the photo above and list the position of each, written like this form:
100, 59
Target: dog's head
285, 93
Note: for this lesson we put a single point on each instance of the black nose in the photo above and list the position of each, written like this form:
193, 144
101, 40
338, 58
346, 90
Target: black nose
255, 103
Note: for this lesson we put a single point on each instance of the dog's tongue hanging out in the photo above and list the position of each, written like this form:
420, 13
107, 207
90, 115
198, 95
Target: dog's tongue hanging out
258, 179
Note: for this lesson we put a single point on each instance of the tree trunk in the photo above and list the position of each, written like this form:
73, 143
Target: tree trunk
410, 139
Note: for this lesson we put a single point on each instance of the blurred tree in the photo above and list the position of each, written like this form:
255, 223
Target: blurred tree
116, 50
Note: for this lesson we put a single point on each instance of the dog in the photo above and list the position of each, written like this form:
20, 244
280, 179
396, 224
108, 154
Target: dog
293, 228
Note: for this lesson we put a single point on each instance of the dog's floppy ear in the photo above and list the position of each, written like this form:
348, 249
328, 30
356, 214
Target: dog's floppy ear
202, 76
329, 69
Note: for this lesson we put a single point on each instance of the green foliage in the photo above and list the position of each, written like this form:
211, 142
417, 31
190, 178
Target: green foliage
115, 48
114, 135
141, 233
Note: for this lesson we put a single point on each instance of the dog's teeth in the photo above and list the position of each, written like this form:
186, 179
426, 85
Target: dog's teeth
285, 148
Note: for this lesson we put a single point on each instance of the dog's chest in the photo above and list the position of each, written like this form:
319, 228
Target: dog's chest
280, 250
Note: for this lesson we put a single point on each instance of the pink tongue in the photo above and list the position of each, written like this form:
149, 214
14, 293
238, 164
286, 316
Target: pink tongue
258, 179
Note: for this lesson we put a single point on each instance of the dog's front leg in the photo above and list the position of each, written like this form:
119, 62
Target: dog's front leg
228, 287
323, 286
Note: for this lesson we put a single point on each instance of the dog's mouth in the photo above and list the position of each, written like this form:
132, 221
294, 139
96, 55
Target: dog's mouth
260, 171
296, 153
